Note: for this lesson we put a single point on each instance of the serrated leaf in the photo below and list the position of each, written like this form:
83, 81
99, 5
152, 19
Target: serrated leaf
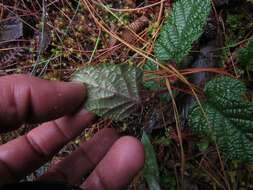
182, 29
113, 90
246, 55
228, 118
151, 170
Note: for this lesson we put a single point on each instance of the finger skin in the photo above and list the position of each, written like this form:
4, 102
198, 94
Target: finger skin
84, 159
25, 154
29, 99
118, 168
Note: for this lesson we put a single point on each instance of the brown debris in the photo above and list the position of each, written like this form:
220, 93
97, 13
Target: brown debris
129, 34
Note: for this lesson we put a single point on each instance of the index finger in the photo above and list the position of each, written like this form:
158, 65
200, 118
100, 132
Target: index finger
26, 99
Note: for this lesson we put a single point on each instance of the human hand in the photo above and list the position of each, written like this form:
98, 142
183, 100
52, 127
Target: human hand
114, 161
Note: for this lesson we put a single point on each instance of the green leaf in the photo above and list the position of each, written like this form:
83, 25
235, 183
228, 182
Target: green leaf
151, 170
228, 118
246, 55
113, 90
182, 29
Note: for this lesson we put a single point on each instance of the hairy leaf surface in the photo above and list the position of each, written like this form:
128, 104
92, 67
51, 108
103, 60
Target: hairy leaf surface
246, 55
228, 118
113, 90
181, 29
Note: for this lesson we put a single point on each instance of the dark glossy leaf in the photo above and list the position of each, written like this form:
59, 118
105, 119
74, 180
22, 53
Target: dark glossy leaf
151, 170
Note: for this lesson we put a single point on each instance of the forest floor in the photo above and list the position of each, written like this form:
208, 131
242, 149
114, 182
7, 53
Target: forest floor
51, 40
